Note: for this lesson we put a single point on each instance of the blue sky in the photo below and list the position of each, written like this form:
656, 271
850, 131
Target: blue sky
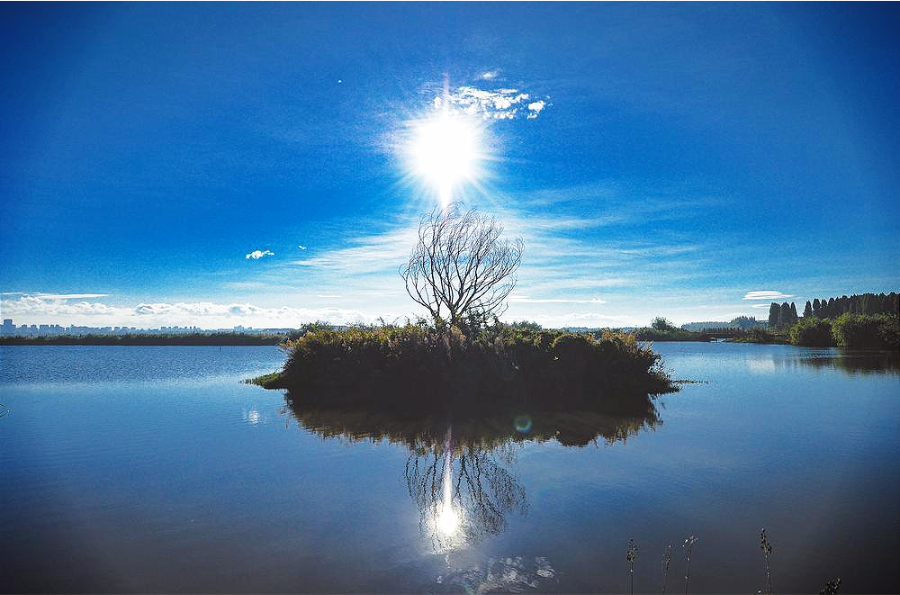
685, 156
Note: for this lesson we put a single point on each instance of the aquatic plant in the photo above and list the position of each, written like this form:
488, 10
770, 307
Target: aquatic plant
667, 559
688, 546
766, 547
632, 554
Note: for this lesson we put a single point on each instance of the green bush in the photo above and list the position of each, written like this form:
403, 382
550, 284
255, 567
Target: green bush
412, 365
860, 331
812, 332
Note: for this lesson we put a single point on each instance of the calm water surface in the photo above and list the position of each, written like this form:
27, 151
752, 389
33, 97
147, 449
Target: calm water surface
154, 469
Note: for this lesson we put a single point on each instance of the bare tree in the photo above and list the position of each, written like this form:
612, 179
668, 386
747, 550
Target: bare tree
460, 266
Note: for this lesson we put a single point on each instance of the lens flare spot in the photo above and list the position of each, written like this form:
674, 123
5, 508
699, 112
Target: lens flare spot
523, 423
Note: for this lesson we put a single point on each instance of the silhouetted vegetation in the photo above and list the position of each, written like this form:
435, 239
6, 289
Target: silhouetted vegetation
222, 339
460, 270
481, 425
417, 365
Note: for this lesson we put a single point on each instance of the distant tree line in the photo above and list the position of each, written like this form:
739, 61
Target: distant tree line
784, 316
863, 321
866, 303
741, 322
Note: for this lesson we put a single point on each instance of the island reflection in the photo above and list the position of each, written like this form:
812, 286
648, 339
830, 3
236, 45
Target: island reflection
856, 363
460, 468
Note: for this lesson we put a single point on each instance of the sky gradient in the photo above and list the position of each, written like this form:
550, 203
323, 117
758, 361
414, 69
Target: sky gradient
224, 164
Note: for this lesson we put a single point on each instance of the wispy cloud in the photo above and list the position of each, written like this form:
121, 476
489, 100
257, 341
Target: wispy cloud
530, 300
489, 75
257, 254
302, 247
766, 295
368, 253
57, 296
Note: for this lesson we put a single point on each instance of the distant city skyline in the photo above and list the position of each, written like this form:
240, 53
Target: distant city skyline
264, 165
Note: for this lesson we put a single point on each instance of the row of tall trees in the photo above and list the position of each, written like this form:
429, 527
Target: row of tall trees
782, 316
785, 315
866, 303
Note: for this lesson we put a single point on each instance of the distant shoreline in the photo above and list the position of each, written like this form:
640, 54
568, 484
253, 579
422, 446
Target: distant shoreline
189, 339
238, 339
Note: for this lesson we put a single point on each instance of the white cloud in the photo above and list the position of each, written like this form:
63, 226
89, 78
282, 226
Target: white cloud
36, 310
535, 108
257, 254
489, 75
497, 104
302, 247
766, 295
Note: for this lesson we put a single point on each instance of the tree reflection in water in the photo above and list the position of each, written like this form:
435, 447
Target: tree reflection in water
459, 469
463, 491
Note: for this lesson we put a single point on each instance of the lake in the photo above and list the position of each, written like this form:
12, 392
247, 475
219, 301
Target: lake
155, 469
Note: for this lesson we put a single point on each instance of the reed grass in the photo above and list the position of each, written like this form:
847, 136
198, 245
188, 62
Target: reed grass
766, 547
632, 554
667, 559
688, 546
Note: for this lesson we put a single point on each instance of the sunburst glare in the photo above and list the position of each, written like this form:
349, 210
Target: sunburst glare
445, 152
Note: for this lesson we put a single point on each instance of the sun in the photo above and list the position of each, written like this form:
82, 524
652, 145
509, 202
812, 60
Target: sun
445, 151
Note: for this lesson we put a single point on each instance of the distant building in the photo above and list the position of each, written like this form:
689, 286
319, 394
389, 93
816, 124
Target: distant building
8, 327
